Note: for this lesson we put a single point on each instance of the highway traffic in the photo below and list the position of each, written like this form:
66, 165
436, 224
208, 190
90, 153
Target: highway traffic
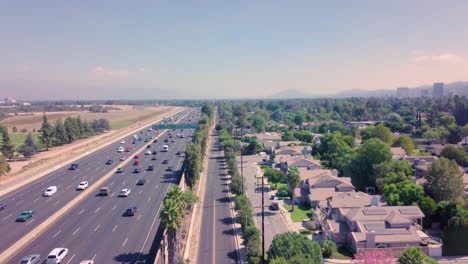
96, 228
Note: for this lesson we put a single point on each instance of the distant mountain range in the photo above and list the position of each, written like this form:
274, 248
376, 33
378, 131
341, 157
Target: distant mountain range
460, 88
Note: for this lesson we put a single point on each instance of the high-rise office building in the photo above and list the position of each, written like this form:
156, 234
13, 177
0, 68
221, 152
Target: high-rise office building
438, 90
402, 92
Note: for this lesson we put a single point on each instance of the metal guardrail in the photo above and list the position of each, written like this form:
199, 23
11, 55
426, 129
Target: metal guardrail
175, 126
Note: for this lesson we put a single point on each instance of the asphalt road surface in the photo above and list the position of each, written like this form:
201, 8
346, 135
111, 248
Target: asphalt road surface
217, 242
94, 228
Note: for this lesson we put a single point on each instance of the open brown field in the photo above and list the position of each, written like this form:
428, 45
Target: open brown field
126, 116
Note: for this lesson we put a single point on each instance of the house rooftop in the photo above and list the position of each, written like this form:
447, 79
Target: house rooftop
390, 214
354, 200
393, 235
398, 153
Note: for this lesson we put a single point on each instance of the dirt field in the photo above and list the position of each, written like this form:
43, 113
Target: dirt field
117, 118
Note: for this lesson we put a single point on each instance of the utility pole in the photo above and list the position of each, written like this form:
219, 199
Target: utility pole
242, 162
263, 222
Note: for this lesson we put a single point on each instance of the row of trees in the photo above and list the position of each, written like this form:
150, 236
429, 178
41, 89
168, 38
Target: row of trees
196, 150
70, 130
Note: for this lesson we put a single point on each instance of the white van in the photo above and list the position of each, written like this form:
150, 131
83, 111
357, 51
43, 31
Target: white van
165, 148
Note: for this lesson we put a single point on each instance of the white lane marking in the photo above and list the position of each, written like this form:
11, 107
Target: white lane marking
6, 217
29, 221
68, 187
71, 259
81, 211
56, 234
125, 242
19, 202
97, 210
35, 200
76, 231
140, 191
123, 183
56, 203
113, 208
149, 199
94, 257
114, 228
139, 217
97, 228
92, 178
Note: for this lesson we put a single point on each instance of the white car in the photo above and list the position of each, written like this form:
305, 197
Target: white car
120, 149
148, 152
122, 158
149, 129
50, 191
122, 142
57, 255
87, 262
124, 192
82, 186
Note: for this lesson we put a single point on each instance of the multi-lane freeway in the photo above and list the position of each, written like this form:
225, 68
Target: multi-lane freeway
95, 228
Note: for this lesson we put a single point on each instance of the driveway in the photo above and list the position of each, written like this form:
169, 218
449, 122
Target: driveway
274, 222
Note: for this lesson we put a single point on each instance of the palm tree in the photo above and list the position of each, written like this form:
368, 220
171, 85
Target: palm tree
171, 218
412, 256
293, 178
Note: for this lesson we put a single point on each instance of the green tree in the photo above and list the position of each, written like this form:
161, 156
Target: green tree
293, 178
295, 245
454, 153
4, 166
60, 134
405, 142
71, 130
323, 128
414, 256
258, 123
29, 147
14, 129
328, 248
192, 164
299, 118
277, 115
8, 150
428, 206
444, 180
361, 168
403, 193
47, 133
383, 133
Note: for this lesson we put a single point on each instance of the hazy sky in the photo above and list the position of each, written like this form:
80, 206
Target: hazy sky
218, 49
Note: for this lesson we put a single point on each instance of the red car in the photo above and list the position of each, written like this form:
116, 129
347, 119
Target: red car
136, 162
128, 149
136, 156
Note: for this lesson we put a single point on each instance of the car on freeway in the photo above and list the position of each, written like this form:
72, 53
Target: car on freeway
128, 149
82, 186
122, 142
149, 129
149, 146
169, 168
134, 142
153, 158
165, 162
170, 136
119, 170
124, 192
122, 158
109, 162
137, 170
120, 149
150, 168
87, 262
140, 139
274, 206
136, 156
104, 191
57, 255
151, 137
30, 259
74, 166
148, 152
147, 140
131, 211
137, 162
155, 141
166, 140
50, 191
141, 182
173, 140
178, 153
25, 215
154, 152
2, 206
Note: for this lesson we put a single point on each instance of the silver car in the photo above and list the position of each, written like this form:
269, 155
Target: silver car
31, 259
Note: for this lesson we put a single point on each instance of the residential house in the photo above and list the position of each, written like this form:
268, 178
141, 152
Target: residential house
398, 153
420, 163
360, 124
283, 162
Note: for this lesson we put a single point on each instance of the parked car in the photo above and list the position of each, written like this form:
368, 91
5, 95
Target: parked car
82, 186
119, 170
150, 167
57, 255
104, 191
74, 166
109, 162
25, 215
50, 191
141, 182
131, 211
124, 192
137, 170
274, 206
30, 259
136, 162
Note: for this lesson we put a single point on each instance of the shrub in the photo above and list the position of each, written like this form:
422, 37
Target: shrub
310, 225
328, 248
